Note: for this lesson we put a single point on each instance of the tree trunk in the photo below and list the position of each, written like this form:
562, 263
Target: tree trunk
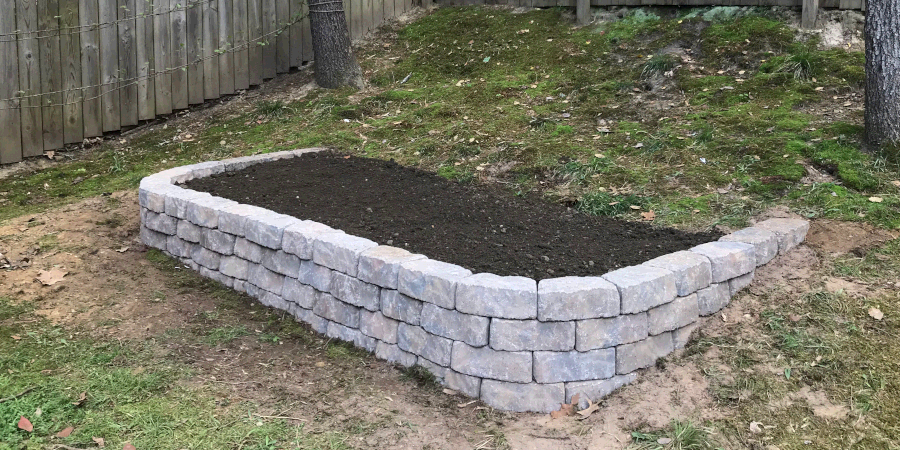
335, 64
882, 72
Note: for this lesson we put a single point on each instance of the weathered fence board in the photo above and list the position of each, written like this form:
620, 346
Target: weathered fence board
269, 68
210, 45
283, 37
143, 28
241, 54
70, 54
128, 94
254, 44
179, 60
51, 71
226, 57
194, 31
162, 43
30, 78
10, 120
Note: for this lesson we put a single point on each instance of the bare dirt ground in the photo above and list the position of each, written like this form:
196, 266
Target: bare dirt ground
112, 290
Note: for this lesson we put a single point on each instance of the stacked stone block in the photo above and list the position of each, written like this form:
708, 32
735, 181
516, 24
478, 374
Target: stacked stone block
517, 344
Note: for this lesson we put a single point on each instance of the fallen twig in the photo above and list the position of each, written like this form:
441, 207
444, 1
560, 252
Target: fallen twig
13, 397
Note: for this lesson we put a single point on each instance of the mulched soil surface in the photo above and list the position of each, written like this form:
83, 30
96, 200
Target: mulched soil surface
482, 228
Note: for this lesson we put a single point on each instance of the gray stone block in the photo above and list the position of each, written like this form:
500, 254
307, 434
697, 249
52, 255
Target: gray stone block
594, 390
217, 276
455, 325
298, 238
642, 354
572, 298
301, 294
713, 298
556, 367
393, 354
338, 331
233, 219
178, 247
335, 310
531, 397
378, 326
248, 250
643, 287
174, 175
486, 362
239, 286
355, 292
281, 262
153, 239
675, 314
682, 336
315, 275
431, 281
273, 300
380, 265
790, 232
486, 294
217, 241
729, 259
159, 222
692, 271
253, 290
205, 257
422, 343
340, 251
531, 335
204, 211
398, 306
465, 384
764, 242
154, 197
736, 284
317, 323
204, 169
176, 203
267, 230
266, 279
602, 333
438, 371
235, 267
188, 231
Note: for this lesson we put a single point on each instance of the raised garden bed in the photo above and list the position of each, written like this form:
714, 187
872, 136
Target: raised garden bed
518, 343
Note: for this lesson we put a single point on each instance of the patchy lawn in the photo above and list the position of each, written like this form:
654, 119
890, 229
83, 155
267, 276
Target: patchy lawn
705, 122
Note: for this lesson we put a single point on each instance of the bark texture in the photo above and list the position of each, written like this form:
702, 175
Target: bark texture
882, 72
335, 64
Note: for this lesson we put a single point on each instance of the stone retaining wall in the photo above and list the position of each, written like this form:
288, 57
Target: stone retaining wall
515, 343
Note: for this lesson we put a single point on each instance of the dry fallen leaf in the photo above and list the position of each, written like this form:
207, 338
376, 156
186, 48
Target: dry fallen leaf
16, 337
635, 207
755, 427
896, 183
51, 277
648, 216
876, 313
81, 398
25, 424
65, 432
99, 441
122, 250
128, 446
450, 391
585, 413
876, 199
664, 441
566, 409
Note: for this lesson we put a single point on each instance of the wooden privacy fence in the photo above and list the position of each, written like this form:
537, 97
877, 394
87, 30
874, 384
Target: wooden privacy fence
75, 69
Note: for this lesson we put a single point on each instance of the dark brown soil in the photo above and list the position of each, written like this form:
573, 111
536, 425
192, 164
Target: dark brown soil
481, 228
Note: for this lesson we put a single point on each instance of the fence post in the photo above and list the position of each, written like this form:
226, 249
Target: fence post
583, 12
810, 11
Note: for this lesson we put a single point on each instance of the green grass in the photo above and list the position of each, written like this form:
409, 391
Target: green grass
132, 393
